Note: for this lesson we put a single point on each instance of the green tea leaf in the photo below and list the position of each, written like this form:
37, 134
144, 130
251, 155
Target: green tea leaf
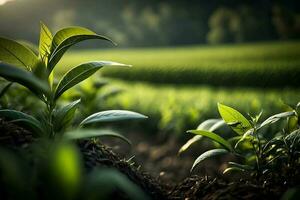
45, 43
208, 154
213, 137
234, 119
24, 78
80, 73
14, 53
66, 38
111, 116
27, 120
92, 133
275, 118
64, 116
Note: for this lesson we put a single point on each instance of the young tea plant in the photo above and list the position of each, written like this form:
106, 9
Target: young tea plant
20, 64
259, 153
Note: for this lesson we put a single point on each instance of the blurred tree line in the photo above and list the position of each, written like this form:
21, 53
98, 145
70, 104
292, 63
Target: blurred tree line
158, 22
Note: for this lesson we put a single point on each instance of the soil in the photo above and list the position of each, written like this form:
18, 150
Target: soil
157, 168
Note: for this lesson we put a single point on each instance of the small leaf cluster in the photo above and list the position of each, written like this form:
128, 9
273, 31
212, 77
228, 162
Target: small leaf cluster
35, 71
259, 153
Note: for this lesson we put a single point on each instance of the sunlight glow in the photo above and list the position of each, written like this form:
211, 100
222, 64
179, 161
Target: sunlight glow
2, 2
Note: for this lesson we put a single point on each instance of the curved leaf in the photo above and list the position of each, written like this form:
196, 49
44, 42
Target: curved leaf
111, 116
64, 116
214, 137
14, 53
189, 143
277, 117
92, 133
234, 119
45, 43
230, 169
24, 118
80, 73
67, 37
208, 154
24, 78
5, 88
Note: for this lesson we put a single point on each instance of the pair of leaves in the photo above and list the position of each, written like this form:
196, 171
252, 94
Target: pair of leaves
64, 39
208, 125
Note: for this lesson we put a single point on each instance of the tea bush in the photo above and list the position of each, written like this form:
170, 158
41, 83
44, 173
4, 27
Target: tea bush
261, 154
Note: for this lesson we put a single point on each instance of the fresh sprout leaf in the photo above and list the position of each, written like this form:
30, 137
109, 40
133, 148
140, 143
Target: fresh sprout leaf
111, 116
25, 119
208, 125
208, 154
108, 180
66, 38
5, 89
45, 43
14, 53
92, 133
24, 78
80, 73
213, 137
64, 116
234, 119
277, 117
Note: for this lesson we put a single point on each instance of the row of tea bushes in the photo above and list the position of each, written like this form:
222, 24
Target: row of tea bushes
259, 65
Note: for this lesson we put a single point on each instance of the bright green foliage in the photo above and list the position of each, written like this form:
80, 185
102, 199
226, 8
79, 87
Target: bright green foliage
38, 78
174, 109
262, 154
257, 64
234, 119
14, 53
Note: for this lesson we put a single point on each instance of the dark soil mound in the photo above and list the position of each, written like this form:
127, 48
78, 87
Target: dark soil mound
194, 187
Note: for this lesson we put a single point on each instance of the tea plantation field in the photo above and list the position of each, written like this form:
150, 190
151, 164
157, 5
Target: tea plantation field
260, 65
249, 77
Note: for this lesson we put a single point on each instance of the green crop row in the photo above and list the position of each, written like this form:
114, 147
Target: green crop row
261, 65
174, 110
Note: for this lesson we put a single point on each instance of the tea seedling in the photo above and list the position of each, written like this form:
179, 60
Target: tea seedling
35, 72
